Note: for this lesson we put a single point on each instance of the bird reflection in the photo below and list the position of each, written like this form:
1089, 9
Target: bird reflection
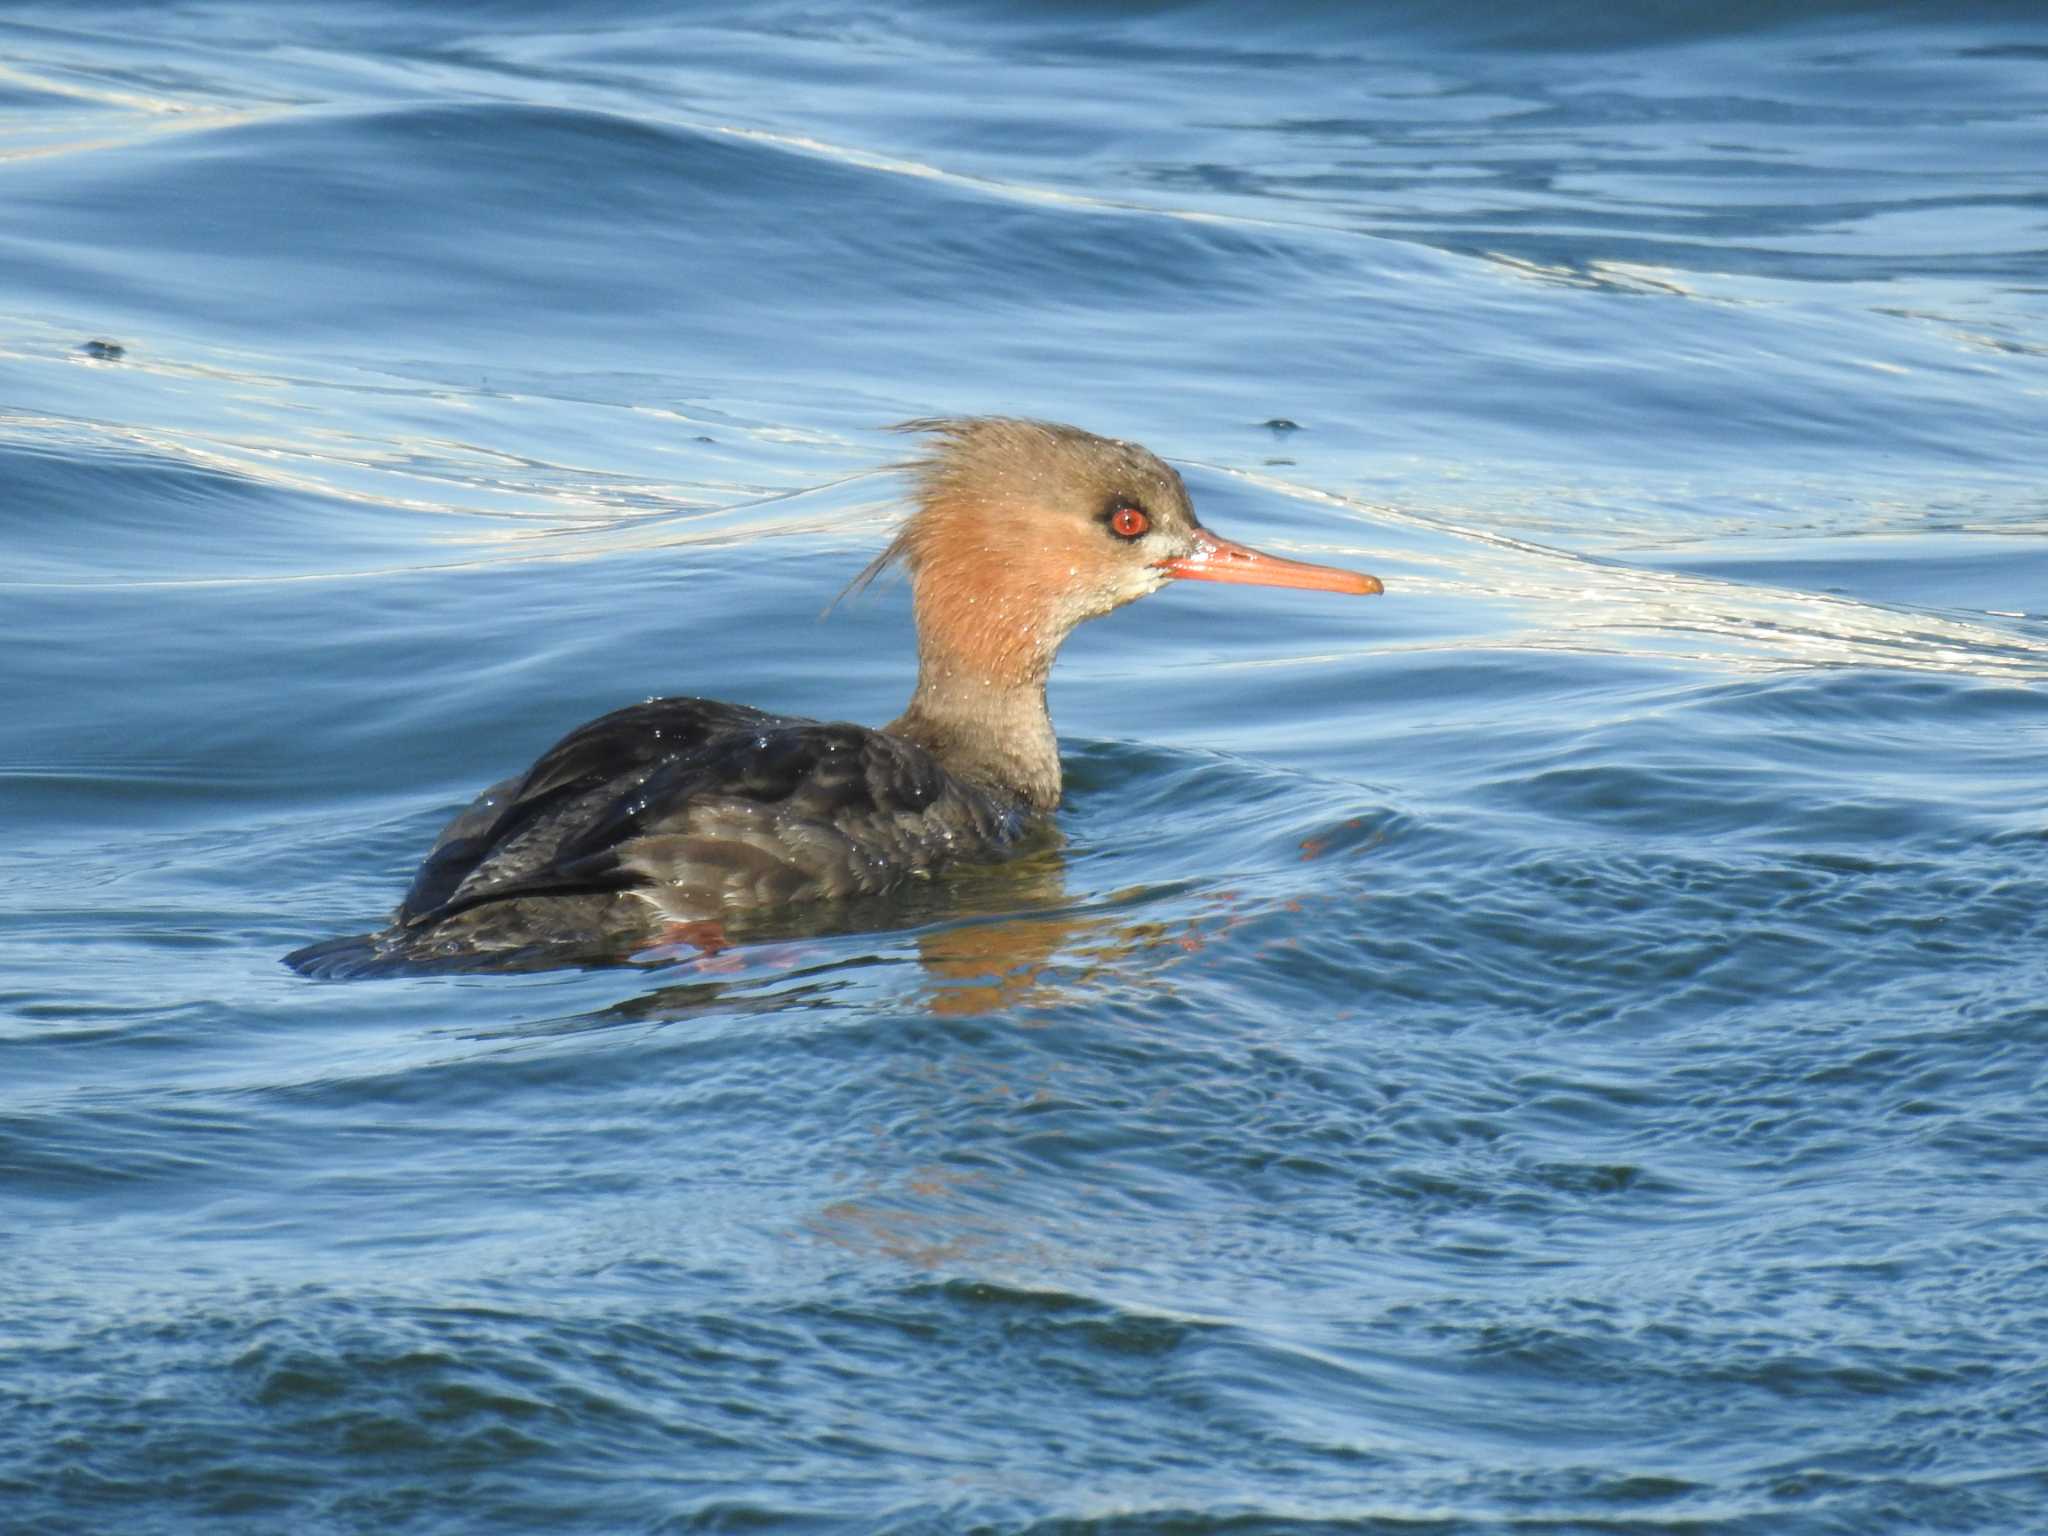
983, 936
950, 1171
999, 939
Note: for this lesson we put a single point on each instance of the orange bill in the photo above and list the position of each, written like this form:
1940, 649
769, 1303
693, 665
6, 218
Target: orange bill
1218, 559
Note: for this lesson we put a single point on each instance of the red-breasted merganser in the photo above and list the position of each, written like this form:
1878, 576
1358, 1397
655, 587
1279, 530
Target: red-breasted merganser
672, 816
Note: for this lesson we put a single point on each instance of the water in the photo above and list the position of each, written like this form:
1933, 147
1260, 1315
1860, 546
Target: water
1556, 1048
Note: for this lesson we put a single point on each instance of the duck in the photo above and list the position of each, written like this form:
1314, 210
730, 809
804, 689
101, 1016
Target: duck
668, 820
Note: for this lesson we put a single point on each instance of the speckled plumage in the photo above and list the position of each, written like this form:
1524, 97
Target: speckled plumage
678, 811
700, 806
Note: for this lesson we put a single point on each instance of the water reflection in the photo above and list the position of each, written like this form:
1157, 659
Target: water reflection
124, 118
1006, 940
967, 1066
982, 937
995, 967
1548, 599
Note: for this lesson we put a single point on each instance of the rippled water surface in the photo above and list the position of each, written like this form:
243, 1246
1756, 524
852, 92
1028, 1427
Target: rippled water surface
1556, 1048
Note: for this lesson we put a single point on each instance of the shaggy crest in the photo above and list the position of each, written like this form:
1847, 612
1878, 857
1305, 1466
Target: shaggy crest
978, 463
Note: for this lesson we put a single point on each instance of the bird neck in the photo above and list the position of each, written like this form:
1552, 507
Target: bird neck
1000, 739
983, 655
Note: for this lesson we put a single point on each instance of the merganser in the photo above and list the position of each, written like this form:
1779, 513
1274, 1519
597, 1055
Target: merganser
673, 817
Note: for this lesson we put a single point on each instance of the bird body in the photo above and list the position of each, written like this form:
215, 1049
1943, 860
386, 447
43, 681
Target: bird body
679, 813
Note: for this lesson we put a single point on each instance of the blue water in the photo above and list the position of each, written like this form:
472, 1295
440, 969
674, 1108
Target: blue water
1557, 1048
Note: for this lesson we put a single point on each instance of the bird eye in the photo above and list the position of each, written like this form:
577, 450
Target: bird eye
1129, 523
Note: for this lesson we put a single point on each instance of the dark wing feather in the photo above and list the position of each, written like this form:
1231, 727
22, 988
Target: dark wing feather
608, 750
716, 802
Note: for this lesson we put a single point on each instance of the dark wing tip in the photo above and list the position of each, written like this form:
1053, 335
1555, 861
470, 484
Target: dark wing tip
355, 954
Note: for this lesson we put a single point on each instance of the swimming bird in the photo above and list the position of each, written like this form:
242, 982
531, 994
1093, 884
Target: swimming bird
671, 817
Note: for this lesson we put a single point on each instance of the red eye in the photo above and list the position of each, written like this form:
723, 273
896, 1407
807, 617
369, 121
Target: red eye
1129, 523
